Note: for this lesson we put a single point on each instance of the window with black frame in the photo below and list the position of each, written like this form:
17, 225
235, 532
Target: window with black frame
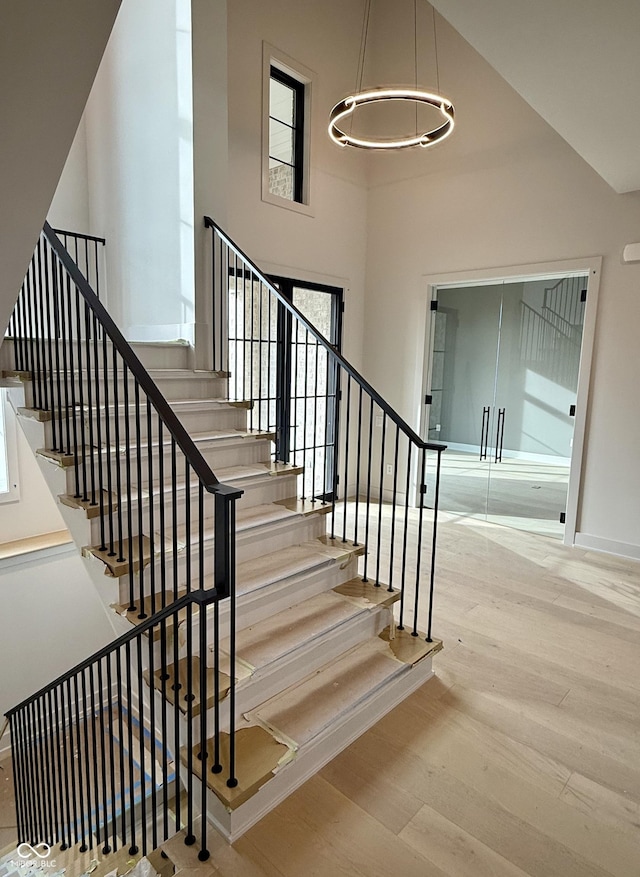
286, 136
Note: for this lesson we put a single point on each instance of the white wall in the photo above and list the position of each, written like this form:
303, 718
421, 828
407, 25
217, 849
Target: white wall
49, 53
330, 244
506, 190
57, 620
69, 209
139, 150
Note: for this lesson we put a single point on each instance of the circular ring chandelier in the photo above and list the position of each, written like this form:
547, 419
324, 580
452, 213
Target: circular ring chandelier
349, 105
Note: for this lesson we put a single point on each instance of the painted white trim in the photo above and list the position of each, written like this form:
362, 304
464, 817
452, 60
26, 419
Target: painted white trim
38, 555
9, 449
271, 56
609, 546
589, 266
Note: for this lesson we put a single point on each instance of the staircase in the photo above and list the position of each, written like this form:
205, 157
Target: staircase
253, 643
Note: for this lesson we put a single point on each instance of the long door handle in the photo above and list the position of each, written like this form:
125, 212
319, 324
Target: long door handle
484, 435
500, 434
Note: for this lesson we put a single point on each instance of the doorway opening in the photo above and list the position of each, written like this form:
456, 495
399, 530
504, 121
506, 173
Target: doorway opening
505, 380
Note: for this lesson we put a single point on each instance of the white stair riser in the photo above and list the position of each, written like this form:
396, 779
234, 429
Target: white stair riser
172, 388
274, 598
249, 545
218, 417
154, 356
219, 455
302, 662
309, 760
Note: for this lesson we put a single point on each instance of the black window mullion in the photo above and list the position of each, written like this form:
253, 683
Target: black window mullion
298, 89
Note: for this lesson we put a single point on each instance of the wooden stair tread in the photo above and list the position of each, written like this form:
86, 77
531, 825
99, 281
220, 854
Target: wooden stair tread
258, 756
305, 710
260, 572
167, 686
282, 634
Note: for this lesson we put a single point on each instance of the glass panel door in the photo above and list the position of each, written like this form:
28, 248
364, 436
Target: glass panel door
536, 387
465, 350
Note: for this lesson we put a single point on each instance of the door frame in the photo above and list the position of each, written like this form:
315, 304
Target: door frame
590, 266
286, 285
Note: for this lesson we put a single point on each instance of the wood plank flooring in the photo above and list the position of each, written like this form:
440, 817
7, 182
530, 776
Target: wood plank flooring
522, 756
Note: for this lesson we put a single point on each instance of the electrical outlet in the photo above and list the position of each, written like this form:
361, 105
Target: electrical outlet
437, 427
378, 421
389, 469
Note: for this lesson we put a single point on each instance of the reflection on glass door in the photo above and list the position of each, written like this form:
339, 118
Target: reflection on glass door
504, 380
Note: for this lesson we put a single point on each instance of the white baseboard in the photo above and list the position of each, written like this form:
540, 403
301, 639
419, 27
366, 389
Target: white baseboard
609, 546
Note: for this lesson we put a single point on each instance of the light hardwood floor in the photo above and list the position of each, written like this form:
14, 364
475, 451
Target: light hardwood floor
522, 757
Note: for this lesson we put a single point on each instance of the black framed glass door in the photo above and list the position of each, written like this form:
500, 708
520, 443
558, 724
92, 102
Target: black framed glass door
306, 410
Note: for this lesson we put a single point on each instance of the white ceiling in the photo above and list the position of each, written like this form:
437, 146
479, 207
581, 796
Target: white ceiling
576, 62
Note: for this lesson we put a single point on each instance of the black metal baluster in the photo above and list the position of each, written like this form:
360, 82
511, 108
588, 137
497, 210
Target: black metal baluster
45, 776
48, 268
96, 377
315, 429
87, 759
405, 529
111, 452
19, 786
72, 381
118, 497
381, 498
358, 461
230, 513
94, 741
152, 726
422, 489
83, 832
58, 766
176, 715
133, 849
87, 341
141, 726
434, 540
103, 761
203, 855
346, 460
82, 450
127, 442
121, 753
65, 368
187, 523
161, 496
164, 675
368, 506
72, 764
174, 517
140, 539
43, 327
251, 341
189, 697
58, 383
393, 525
152, 548
65, 715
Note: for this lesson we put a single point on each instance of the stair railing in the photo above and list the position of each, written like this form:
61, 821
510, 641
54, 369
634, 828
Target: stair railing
97, 759
166, 528
129, 456
354, 451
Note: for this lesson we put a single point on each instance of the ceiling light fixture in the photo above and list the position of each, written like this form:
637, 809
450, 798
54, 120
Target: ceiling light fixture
346, 108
